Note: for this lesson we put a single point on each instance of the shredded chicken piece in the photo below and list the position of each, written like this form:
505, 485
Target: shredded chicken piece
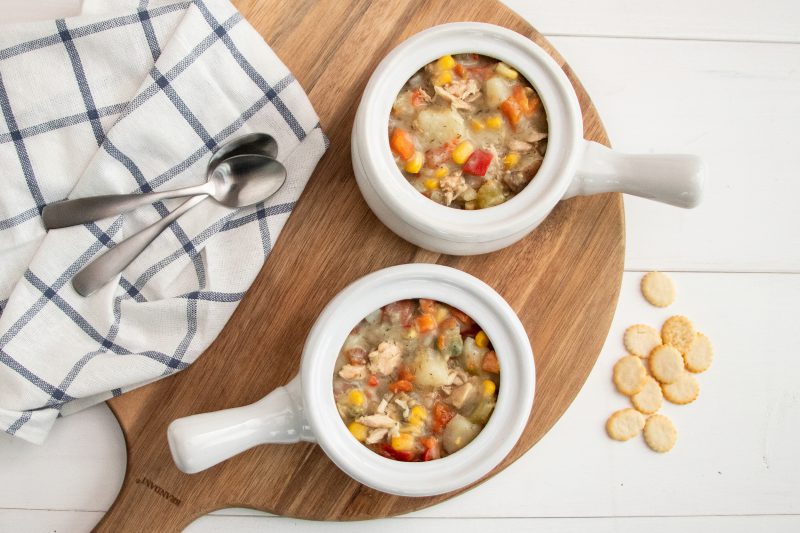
382, 406
404, 406
518, 146
455, 102
495, 166
458, 381
394, 430
385, 359
351, 372
377, 421
447, 390
534, 136
376, 435
467, 90
460, 395
452, 186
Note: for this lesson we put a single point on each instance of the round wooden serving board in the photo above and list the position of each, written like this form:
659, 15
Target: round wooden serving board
563, 280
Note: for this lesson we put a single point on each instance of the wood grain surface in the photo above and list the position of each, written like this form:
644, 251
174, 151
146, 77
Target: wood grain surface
563, 280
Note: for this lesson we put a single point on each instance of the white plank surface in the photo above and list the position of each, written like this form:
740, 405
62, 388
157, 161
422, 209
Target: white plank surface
737, 105
721, 79
727, 20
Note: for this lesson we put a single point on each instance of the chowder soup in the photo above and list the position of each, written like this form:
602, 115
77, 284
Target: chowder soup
468, 131
416, 380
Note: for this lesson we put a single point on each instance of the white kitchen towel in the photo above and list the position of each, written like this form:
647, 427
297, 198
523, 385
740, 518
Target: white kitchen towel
130, 97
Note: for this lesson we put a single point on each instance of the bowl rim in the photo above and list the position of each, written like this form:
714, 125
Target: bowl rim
534, 202
451, 286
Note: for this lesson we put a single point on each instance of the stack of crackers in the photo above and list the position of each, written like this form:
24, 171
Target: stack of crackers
672, 358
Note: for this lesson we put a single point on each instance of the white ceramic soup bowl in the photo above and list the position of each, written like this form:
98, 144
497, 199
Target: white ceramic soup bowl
572, 166
305, 408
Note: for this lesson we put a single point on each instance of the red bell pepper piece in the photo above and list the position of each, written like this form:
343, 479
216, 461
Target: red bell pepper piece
478, 163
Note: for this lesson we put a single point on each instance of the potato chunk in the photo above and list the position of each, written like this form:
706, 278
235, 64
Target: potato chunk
496, 90
430, 368
438, 125
458, 433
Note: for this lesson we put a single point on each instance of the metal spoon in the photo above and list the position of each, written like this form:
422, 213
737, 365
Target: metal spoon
251, 179
82, 210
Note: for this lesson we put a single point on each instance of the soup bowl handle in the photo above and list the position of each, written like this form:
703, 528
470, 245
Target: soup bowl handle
201, 441
673, 179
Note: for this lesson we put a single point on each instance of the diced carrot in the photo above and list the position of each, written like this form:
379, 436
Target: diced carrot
432, 449
442, 414
402, 143
511, 110
425, 322
428, 442
440, 340
401, 385
405, 374
526, 105
427, 306
373, 380
533, 105
460, 70
490, 362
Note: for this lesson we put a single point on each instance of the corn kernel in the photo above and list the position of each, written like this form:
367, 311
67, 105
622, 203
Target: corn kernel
481, 340
441, 172
411, 333
403, 442
444, 77
431, 183
446, 62
506, 71
495, 122
476, 124
359, 431
488, 387
418, 415
356, 397
414, 165
510, 160
462, 152
441, 313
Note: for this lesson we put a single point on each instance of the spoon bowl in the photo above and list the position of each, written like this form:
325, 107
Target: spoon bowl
249, 143
243, 180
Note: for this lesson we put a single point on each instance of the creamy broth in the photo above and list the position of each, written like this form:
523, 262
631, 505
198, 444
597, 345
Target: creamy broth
416, 380
468, 131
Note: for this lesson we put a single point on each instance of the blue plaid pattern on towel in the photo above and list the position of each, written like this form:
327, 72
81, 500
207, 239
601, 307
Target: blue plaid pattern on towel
130, 97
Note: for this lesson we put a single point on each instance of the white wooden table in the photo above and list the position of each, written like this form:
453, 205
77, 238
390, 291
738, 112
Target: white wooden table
719, 78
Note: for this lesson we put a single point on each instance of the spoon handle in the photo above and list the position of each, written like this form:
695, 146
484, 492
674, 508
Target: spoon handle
82, 210
107, 266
